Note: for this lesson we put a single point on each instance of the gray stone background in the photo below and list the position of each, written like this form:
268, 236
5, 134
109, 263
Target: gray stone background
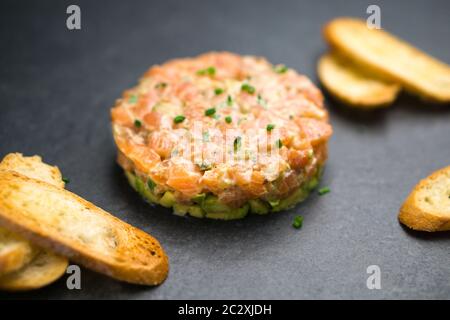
57, 86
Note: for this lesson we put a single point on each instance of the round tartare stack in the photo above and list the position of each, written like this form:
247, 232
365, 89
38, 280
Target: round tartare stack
222, 135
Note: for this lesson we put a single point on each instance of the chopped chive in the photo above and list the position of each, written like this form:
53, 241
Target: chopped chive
137, 123
66, 180
248, 88
209, 112
133, 99
205, 166
298, 222
270, 127
218, 91
281, 68
161, 85
210, 71
237, 143
151, 184
279, 143
179, 119
228, 119
323, 191
229, 101
262, 101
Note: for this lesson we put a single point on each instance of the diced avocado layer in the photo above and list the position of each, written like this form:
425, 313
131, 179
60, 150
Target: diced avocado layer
209, 206
196, 211
292, 200
142, 188
232, 214
259, 207
216, 210
168, 200
180, 209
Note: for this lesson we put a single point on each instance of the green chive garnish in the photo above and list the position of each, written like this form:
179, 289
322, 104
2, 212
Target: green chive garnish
209, 112
205, 136
281, 68
199, 198
137, 123
279, 143
218, 91
66, 180
205, 166
161, 85
270, 127
208, 71
133, 99
179, 119
151, 184
248, 88
262, 102
237, 143
323, 191
298, 222
229, 101
228, 119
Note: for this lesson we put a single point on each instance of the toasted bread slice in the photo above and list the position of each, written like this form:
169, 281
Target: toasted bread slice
32, 167
427, 208
15, 252
42, 270
353, 86
390, 57
63, 222
18, 253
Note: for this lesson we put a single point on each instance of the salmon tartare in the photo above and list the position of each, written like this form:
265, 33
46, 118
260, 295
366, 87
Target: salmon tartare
222, 135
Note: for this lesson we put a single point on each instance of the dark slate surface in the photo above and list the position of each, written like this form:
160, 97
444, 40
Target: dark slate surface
56, 88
